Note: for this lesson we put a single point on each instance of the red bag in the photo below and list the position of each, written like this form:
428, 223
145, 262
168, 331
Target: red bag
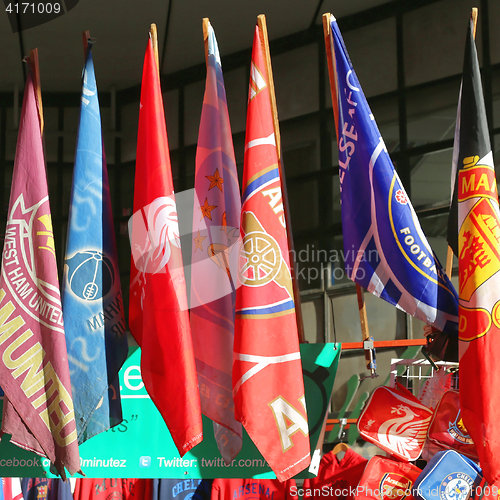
387, 479
396, 421
447, 428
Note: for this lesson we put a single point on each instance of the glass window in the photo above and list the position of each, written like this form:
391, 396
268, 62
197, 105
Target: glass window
312, 314
432, 113
496, 155
303, 200
236, 85
126, 195
193, 104
372, 50
129, 121
300, 146
308, 267
336, 207
331, 132
431, 179
494, 15
71, 119
435, 227
496, 100
386, 113
171, 106
109, 147
108, 135
434, 40
296, 81
51, 133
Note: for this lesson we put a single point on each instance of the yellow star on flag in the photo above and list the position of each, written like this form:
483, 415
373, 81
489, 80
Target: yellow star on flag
206, 209
199, 241
215, 180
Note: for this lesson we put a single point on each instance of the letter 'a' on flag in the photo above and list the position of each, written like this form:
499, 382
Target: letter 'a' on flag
267, 372
38, 408
478, 265
158, 316
91, 290
215, 248
385, 249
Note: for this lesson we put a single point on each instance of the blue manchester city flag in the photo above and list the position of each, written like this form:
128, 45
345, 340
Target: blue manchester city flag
92, 298
385, 249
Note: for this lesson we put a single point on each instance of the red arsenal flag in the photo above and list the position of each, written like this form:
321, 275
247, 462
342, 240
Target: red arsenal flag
34, 373
267, 373
158, 313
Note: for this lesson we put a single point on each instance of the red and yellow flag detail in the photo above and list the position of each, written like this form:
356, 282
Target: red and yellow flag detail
477, 180
479, 240
267, 372
474, 323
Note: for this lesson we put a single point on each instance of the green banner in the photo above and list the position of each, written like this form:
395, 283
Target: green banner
142, 447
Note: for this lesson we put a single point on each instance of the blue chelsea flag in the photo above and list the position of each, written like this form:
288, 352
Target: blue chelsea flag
92, 298
385, 249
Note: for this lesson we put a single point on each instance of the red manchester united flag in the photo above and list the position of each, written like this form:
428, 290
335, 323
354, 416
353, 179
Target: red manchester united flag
267, 375
158, 313
479, 266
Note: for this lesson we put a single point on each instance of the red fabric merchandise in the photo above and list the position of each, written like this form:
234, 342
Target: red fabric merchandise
396, 421
387, 479
447, 428
336, 478
158, 315
253, 489
111, 489
268, 384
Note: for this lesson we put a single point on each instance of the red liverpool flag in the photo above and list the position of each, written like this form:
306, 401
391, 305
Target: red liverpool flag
267, 373
216, 233
158, 315
479, 266
34, 371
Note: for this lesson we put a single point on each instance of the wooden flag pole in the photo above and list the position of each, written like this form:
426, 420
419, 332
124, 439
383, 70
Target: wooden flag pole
449, 255
154, 39
206, 24
35, 69
332, 73
264, 40
85, 40
474, 21
261, 22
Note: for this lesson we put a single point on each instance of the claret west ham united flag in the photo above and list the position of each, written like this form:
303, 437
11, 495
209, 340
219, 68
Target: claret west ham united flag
267, 372
38, 408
